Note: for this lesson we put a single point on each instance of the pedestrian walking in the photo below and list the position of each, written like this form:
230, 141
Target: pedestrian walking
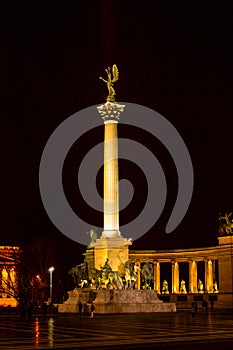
80, 307
92, 310
212, 305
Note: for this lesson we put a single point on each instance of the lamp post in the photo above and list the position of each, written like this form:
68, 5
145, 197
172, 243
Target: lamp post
51, 269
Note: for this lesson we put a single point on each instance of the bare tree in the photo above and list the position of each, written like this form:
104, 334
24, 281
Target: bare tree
25, 277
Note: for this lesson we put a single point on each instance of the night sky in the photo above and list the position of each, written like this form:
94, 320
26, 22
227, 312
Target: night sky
175, 58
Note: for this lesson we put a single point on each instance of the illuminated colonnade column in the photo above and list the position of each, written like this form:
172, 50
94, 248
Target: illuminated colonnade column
208, 276
175, 277
157, 277
138, 269
193, 277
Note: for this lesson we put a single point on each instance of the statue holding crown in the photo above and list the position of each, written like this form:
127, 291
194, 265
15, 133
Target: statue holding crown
110, 81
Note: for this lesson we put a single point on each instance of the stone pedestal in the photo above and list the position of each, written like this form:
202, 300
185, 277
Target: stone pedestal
116, 250
225, 263
116, 301
75, 296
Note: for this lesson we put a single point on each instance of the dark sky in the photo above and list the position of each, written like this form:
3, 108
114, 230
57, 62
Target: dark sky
175, 58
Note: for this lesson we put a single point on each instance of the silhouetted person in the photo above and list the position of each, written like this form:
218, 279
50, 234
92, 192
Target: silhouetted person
92, 310
80, 307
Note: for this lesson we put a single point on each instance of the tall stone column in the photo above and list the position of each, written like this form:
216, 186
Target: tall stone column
175, 277
111, 245
111, 188
193, 276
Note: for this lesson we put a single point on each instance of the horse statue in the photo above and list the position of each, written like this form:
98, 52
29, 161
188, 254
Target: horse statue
130, 275
115, 280
106, 278
147, 274
96, 280
80, 274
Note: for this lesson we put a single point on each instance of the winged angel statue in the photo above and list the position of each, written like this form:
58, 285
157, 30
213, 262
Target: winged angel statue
110, 81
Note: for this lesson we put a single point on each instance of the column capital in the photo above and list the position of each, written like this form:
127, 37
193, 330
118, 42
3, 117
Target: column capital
111, 111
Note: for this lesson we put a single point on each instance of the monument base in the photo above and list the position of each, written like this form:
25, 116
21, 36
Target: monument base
116, 301
115, 249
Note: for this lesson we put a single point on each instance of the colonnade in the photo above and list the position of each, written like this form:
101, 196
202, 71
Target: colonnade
193, 276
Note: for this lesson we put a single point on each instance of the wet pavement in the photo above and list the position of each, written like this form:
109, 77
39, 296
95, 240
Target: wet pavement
136, 331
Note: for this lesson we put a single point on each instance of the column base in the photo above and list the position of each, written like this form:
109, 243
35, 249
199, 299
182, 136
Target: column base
111, 234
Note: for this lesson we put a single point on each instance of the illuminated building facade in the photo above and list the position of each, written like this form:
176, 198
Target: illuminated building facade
8, 257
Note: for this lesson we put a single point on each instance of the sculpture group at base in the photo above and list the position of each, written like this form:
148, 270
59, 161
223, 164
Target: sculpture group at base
107, 278
147, 273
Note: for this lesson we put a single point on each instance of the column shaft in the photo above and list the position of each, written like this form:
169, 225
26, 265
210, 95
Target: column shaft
175, 277
111, 187
138, 266
157, 277
209, 276
192, 277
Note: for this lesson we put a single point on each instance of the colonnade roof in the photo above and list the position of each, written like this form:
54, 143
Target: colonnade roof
182, 254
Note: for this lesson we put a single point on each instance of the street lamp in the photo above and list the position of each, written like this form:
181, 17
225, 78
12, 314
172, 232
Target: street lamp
51, 269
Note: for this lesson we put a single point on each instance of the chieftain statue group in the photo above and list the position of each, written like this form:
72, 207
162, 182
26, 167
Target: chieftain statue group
106, 278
